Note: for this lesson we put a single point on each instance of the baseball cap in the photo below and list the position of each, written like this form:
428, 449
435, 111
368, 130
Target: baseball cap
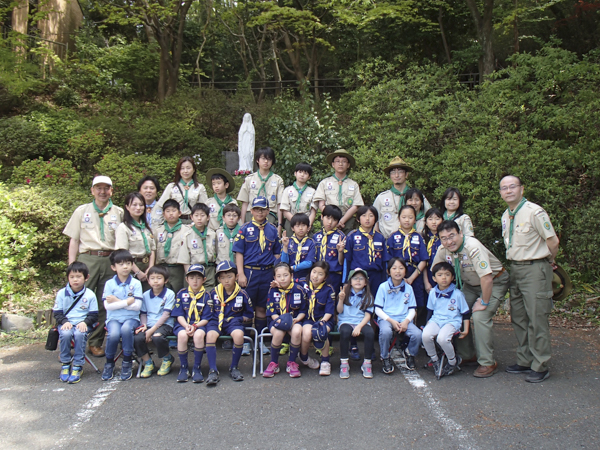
260, 202
319, 334
196, 268
358, 270
225, 266
101, 179
284, 322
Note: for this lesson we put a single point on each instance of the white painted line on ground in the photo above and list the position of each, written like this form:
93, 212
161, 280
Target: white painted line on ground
451, 427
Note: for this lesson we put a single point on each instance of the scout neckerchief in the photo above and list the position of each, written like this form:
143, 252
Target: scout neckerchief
193, 306
406, 242
142, 227
102, 213
170, 232
511, 216
441, 294
299, 249
263, 186
452, 217
369, 236
401, 194
457, 265
395, 289
149, 211
283, 298
420, 215
220, 290
203, 239
340, 184
300, 192
433, 238
262, 240
313, 298
186, 187
230, 234
324, 243
222, 203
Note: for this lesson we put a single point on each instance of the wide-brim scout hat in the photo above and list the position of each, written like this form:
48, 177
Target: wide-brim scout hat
561, 284
196, 268
225, 266
344, 153
284, 322
260, 202
224, 173
397, 163
358, 270
319, 334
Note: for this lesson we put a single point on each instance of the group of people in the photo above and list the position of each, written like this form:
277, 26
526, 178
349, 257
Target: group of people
197, 268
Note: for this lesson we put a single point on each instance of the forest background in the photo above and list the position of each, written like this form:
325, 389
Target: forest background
464, 90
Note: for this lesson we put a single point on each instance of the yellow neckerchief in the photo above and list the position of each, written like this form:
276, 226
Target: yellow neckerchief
220, 290
193, 308
313, 299
324, 243
432, 239
299, 250
283, 299
262, 240
369, 236
406, 242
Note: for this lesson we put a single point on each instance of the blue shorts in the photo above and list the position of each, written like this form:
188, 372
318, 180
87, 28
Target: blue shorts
177, 328
229, 327
259, 283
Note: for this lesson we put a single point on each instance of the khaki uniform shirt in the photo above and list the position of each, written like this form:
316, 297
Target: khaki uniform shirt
156, 216
465, 225
475, 259
84, 226
290, 196
212, 203
328, 190
192, 250
133, 240
176, 242
530, 230
223, 245
195, 195
387, 205
251, 186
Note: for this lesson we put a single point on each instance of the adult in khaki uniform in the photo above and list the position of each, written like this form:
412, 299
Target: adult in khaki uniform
531, 246
389, 202
222, 184
484, 282
339, 190
92, 231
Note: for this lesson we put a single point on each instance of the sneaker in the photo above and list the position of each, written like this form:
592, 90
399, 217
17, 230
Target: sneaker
65, 372
410, 360
148, 369
184, 374
325, 369
227, 345
265, 350
354, 354
537, 377
344, 370
197, 375
293, 369
126, 372
388, 367
76, 374
235, 374
108, 372
367, 369
331, 350
246, 349
165, 367
284, 349
428, 364
448, 369
172, 343
312, 363
515, 368
435, 365
212, 378
271, 370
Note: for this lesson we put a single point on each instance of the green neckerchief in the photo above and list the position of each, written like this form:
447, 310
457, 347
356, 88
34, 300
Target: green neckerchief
457, 265
401, 194
142, 227
230, 234
511, 216
300, 192
170, 232
452, 217
264, 182
102, 213
222, 203
203, 238
340, 183
186, 185
420, 215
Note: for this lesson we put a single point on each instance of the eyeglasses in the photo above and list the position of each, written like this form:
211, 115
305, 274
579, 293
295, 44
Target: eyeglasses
398, 171
510, 187
450, 237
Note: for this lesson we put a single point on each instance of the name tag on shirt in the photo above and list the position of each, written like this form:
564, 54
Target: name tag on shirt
297, 298
273, 183
335, 238
239, 301
351, 187
414, 240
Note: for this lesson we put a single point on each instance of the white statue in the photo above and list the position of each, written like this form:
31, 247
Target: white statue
246, 144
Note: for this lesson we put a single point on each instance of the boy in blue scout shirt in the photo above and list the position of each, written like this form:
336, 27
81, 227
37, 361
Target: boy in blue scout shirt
326, 245
299, 250
256, 248
75, 311
231, 311
450, 310
157, 323
395, 308
193, 313
123, 300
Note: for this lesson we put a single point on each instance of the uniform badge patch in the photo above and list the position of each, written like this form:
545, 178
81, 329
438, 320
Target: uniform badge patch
483, 265
291, 193
387, 217
546, 225
329, 186
194, 243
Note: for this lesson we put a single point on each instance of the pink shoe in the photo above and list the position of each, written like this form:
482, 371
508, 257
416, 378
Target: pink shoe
271, 370
293, 369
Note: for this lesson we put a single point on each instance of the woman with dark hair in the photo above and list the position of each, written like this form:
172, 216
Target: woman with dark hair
416, 199
452, 207
149, 187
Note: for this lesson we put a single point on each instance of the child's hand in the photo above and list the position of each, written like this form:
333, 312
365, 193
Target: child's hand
341, 245
275, 284
112, 299
67, 326
130, 301
82, 327
140, 329
190, 329
395, 325
356, 331
285, 241
242, 280
403, 326
342, 295
149, 334
463, 334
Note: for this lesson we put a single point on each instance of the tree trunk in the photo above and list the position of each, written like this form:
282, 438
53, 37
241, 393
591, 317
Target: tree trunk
276, 71
516, 29
444, 41
485, 29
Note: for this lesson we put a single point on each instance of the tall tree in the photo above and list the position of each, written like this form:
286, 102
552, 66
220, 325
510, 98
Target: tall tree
485, 28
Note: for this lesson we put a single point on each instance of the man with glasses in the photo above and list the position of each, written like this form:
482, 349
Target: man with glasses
484, 282
531, 246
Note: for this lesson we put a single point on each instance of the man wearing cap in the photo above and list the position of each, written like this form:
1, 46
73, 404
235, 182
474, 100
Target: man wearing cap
484, 282
222, 184
389, 202
92, 231
531, 246
340, 190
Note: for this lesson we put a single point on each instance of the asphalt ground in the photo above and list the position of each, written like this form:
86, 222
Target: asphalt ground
405, 409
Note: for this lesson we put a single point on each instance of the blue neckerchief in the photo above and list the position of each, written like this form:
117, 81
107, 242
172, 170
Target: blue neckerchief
446, 293
358, 295
149, 214
395, 289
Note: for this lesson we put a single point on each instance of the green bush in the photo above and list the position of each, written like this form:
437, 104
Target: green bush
54, 172
581, 241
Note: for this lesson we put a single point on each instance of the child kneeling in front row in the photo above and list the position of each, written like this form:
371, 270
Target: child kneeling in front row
449, 309
75, 311
157, 323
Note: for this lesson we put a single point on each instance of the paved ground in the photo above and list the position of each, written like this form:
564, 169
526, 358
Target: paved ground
403, 410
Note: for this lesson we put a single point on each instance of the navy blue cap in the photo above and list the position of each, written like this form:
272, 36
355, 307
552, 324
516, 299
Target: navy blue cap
225, 266
196, 268
319, 334
284, 322
260, 202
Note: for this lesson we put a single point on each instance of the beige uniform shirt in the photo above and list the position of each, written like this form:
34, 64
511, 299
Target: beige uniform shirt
328, 190
465, 225
195, 195
290, 197
387, 205
251, 186
156, 216
176, 242
192, 250
530, 230
223, 245
133, 240
84, 226
212, 203
475, 259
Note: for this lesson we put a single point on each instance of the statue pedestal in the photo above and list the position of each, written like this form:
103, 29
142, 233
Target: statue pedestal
232, 161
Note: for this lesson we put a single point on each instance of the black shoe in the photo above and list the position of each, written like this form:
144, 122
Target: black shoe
212, 378
537, 377
448, 370
235, 374
515, 368
354, 354
410, 360
388, 367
